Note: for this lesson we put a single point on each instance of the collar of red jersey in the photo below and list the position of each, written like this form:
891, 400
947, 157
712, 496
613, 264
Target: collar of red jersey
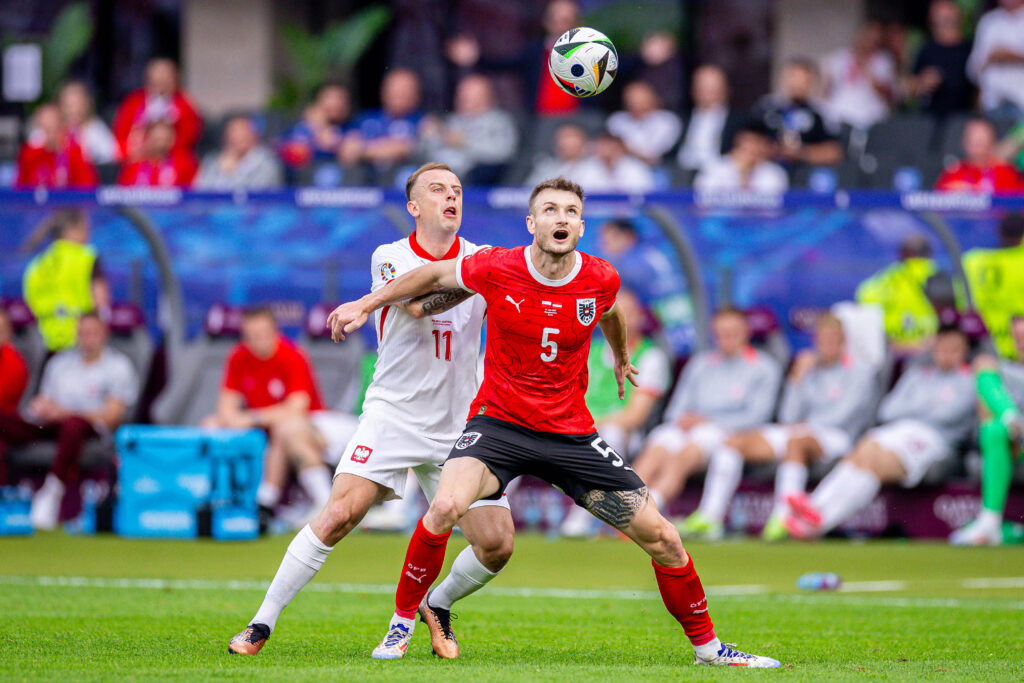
547, 281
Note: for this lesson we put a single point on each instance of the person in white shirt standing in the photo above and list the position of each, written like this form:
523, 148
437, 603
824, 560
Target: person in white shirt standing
860, 80
426, 375
996, 63
85, 392
746, 166
711, 125
647, 130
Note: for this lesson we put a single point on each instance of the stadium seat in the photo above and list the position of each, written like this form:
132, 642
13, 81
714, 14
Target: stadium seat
766, 333
902, 141
27, 341
336, 366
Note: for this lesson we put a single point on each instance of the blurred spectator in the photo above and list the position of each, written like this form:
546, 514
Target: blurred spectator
996, 280
859, 81
66, 281
85, 392
531, 63
827, 403
160, 99
712, 123
51, 157
981, 169
77, 106
612, 169
661, 65
746, 167
996, 63
318, 136
1011, 148
477, 140
570, 155
901, 292
269, 384
647, 272
927, 414
243, 161
621, 424
939, 83
1000, 393
729, 389
797, 122
160, 162
384, 138
13, 373
648, 130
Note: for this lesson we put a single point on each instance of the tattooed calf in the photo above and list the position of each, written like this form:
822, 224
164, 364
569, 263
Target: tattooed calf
617, 508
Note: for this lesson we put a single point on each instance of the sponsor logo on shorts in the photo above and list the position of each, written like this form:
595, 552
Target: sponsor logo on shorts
387, 271
586, 309
361, 454
467, 440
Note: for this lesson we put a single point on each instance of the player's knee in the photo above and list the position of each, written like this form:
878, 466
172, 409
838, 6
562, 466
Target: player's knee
444, 513
494, 553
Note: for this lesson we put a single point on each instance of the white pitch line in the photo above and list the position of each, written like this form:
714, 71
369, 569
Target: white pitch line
1001, 582
872, 586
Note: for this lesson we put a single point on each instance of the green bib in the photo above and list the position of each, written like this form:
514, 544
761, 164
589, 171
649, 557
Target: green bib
602, 397
899, 290
996, 279
58, 289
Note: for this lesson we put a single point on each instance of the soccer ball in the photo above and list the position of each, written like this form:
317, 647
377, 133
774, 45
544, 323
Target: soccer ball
583, 62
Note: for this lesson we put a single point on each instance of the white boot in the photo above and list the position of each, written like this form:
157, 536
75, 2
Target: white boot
46, 504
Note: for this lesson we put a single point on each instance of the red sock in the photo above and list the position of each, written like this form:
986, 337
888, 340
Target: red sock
684, 597
423, 562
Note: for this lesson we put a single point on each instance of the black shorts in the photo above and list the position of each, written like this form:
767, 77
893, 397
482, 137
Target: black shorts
573, 463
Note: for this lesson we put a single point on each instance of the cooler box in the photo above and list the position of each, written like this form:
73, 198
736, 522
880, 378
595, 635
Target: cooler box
14, 509
168, 474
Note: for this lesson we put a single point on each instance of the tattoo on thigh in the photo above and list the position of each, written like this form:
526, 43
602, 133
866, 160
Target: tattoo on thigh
617, 508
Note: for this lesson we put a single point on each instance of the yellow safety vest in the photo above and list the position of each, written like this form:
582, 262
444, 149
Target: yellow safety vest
900, 291
996, 279
58, 289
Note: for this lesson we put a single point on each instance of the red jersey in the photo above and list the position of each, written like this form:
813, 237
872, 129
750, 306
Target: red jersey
137, 110
177, 170
998, 178
264, 383
67, 167
13, 378
538, 337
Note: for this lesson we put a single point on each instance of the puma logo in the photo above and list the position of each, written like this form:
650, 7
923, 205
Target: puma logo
417, 579
514, 302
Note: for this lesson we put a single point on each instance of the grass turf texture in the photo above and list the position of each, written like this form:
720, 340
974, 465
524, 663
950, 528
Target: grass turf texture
934, 628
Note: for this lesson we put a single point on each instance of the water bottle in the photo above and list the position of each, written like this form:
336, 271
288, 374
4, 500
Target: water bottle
819, 581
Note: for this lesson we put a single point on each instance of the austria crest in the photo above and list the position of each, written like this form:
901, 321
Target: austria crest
585, 310
467, 440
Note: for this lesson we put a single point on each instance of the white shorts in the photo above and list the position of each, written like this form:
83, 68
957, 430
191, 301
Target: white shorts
337, 429
918, 445
707, 436
384, 450
834, 442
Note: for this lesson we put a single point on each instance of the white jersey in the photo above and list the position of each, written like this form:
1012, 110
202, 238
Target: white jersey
427, 369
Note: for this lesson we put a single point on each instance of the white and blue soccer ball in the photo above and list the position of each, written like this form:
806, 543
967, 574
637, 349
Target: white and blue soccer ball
583, 62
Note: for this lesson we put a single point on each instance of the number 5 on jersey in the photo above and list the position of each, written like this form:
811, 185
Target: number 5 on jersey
546, 342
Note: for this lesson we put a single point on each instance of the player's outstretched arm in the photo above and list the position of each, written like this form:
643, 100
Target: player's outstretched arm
613, 326
436, 302
428, 278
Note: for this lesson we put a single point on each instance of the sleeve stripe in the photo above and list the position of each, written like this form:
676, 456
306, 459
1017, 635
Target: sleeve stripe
458, 276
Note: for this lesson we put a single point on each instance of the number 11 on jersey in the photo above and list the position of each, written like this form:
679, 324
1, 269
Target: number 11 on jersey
446, 337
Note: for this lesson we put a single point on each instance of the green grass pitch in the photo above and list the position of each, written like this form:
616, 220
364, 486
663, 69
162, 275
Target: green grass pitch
74, 608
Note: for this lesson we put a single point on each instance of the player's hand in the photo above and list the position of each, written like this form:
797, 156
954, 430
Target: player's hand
346, 318
625, 371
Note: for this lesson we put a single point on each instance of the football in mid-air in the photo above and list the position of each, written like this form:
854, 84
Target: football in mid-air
583, 62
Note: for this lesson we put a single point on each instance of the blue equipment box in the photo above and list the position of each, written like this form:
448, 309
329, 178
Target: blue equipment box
167, 474
14, 513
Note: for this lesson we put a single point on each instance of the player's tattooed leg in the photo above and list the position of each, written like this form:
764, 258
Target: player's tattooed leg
616, 508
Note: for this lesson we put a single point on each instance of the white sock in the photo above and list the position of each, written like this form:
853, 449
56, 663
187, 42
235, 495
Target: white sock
616, 437
790, 477
854, 489
267, 495
408, 623
659, 500
708, 650
989, 520
316, 481
466, 577
302, 560
720, 483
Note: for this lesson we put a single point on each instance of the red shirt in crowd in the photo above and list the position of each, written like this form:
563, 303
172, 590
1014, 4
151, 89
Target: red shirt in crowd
263, 383
66, 167
137, 110
177, 170
13, 378
997, 178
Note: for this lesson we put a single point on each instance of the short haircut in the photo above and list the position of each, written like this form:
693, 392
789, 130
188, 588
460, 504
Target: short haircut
727, 311
559, 183
429, 166
757, 127
1011, 229
828, 320
254, 312
622, 225
327, 85
92, 315
915, 246
952, 327
805, 63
